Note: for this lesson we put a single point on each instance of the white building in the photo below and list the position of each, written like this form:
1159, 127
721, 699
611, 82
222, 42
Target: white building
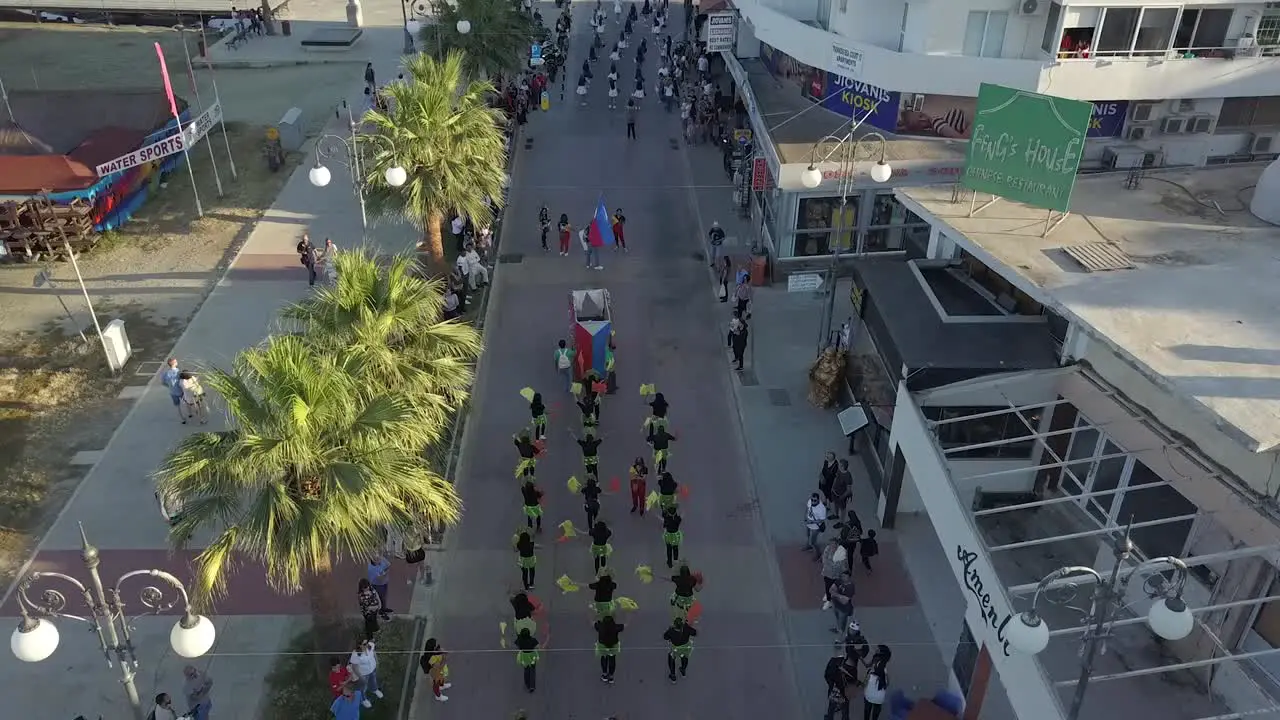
1161, 411
1173, 84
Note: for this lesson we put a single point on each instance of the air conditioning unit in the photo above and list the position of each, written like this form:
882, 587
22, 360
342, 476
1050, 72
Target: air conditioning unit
1182, 107
1137, 132
1123, 157
1027, 8
1199, 124
1142, 111
1173, 126
1262, 144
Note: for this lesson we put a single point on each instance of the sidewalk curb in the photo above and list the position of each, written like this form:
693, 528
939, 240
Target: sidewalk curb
759, 529
425, 622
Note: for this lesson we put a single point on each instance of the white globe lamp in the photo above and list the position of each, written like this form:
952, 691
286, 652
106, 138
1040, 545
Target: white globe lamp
192, 636
396, 176
319, 176
811, 177
1028, 634
413, 26
464, 27
34, 640
881, 172
1170, 618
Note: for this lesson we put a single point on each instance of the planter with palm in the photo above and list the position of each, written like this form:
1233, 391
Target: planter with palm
450, 142
498, 40
316, 465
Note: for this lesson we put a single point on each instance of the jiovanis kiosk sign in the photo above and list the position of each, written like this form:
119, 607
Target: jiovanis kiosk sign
1026, 147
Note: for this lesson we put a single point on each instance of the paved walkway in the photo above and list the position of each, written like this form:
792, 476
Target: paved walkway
115, 502
665, 316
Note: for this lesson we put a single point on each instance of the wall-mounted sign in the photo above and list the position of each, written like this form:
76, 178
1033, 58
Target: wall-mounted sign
975, 584
1108, 118
722, 30
759, 174
874, 106
846, 61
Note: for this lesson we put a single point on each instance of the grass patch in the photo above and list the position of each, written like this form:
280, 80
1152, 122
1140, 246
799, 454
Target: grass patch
295, 690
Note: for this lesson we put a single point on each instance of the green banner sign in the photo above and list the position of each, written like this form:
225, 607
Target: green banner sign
1025, 146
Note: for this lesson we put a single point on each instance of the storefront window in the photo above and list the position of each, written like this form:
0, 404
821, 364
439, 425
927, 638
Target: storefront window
819, 227
893, 225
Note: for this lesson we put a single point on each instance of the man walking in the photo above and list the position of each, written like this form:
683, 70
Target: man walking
632, 110
564, 363
716, 238
379, 572
369, 78
171, 377
307, 256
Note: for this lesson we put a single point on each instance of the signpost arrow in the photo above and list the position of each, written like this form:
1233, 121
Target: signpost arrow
804, 282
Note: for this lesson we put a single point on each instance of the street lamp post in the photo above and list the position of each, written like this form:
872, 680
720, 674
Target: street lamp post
332, 147
848, 147
36, 637
1168, 617
415, 14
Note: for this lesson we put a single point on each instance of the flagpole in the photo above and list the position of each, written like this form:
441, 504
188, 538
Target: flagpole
195, 89
222, 117
173, 107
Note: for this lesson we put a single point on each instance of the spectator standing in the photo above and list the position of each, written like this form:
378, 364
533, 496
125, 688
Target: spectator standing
815, 522
364, 661
196, 687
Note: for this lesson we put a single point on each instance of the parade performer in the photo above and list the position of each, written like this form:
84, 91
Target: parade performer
604, 586
591, 54
527, 657
667, 490
617, 10
539, 412
626, 32
613, 71
523, 608
658, 408
639, 482
687, 584
610, 368
529, 452
672, 535
647, 10
590, 445
600, 547
638, 93
526, 558
632, 15
608, 644
680, 635
660, 440
582, 91
532, 504
591, 499
586, 70
614, 56
589, 404
613, 93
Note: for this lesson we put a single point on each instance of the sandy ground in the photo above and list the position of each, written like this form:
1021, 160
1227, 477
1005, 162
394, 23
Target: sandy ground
55, 395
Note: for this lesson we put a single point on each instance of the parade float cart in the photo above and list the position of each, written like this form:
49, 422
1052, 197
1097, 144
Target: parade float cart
591, 327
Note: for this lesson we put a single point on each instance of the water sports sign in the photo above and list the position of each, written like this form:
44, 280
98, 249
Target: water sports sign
176, 143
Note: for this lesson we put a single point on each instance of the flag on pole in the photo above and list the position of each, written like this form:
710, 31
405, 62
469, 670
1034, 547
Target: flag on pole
601, 231
168, 87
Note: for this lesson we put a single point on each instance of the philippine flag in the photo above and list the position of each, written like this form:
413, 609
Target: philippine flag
601, 231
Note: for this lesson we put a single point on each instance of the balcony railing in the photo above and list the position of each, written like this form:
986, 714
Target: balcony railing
1195, 53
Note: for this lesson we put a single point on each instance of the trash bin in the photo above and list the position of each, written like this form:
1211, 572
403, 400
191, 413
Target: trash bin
759, 270
286, 28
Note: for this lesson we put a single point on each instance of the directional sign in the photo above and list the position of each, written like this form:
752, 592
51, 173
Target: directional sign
804, 282
171, 145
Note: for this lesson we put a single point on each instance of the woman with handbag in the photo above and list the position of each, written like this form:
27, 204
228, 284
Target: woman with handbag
877, 684
723, 274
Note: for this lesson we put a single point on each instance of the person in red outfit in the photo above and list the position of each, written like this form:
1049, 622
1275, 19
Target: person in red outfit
639, 474
339, 675
619, 225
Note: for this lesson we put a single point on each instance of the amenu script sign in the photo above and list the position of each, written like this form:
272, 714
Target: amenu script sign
975, 584
1026, 147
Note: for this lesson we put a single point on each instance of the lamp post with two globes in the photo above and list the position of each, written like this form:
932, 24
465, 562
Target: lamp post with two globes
36, 637
413, 16
1168, 617
848, 147
332, 147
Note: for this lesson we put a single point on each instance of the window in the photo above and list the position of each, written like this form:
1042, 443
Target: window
1202, 29
1049, 43
1268, 30
819, 225
892, 225
987, 429
984, 34
1249, 112
1136, 31
1155, 504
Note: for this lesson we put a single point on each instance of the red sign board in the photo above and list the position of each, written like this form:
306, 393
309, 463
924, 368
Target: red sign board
759, 174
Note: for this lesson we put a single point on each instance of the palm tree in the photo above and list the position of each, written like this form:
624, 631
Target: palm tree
444, 134
384, 325
499, 37
313, 469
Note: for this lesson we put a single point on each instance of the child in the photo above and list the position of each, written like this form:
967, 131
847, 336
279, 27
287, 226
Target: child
869, 549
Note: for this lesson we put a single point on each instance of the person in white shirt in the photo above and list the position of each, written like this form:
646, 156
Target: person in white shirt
815, 521
364, 665
457, 227
704, 65
164, 709
463, 268
449, 304
477, 273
